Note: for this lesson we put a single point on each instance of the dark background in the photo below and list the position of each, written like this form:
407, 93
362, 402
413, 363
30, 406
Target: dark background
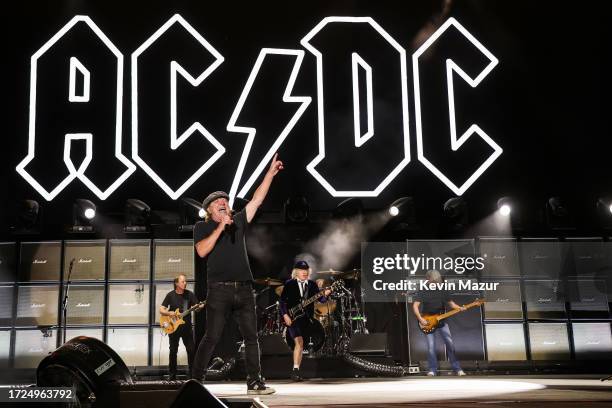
546, 103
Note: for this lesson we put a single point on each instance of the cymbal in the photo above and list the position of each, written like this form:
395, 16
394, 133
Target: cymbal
268, 281
279, 290
354, 274
330, 272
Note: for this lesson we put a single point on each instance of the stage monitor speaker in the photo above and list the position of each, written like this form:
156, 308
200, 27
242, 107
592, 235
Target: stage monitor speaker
592, 341
7, 295
193, 394
40, 261
172, 257
8, 266
274, 345
505, 302
86, 304
549, 341
130, 259
88, 365
500, 257
373, 343
545, 299
505, 342
37, 305
540, 258
90, 260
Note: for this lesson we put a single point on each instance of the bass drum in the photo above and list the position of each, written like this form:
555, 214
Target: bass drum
313, 334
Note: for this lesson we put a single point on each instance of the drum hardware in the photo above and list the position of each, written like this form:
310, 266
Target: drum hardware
268, 281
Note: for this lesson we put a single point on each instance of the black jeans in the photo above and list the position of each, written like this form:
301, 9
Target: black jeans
223, 301
184, 332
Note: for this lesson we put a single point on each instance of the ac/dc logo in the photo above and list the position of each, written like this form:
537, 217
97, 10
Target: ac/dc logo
360, 88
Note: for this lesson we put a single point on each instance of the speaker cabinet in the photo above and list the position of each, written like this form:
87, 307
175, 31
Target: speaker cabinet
373, 343
549, 341
540, 258
588, 299
545, 299
89, 260
505, 302
31, 346
128, 304
586, 257
274, 345
86, 305
130, 259
132, 344
161, 349
8, 264
40, 261
37, 305
172, 257
592, 341
500, 257
466, 328
7, 295
450, 248
5, 348
94, 333
505, 342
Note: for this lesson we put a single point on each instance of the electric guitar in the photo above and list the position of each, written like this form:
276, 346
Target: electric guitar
299, 310
433, 321
169, 324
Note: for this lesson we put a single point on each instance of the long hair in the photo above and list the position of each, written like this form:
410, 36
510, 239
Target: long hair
434, 276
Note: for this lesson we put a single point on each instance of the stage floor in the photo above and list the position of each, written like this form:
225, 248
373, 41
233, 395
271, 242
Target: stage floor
582, 391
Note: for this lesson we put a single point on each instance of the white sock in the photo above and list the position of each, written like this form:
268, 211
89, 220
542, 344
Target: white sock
296, 366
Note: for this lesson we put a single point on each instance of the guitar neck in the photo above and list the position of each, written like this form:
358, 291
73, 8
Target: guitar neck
191, 309
309, 300
455, 311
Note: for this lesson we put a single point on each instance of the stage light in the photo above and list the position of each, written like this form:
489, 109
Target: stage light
605, 204
296, 209
83, 213
504, 205
137, 216
28, 219
191, 212
456, 213
349, 208
557, 213
403, 206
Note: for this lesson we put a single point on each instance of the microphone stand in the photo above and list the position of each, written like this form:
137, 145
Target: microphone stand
65, 303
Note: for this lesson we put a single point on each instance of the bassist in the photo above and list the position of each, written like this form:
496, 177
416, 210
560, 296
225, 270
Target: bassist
432, 303
295, 291
182, 299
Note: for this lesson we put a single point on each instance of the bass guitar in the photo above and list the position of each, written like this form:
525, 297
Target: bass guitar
433, 321
169, 324
299, 310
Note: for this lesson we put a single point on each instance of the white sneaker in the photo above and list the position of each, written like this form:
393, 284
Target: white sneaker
461, 373
432, 374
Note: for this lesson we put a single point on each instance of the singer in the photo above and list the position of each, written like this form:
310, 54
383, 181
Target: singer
220, 244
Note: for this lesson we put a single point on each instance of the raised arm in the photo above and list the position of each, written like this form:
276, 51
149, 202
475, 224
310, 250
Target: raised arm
262, 190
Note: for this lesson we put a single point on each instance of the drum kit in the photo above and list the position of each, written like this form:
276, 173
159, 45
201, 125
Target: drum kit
334, 320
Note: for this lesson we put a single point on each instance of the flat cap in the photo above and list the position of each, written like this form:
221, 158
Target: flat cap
212, 197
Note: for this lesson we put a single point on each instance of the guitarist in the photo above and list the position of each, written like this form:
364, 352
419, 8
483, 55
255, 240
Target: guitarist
182, 299
297, 289
434, 302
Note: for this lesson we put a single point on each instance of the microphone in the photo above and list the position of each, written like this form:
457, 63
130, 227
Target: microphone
229, 228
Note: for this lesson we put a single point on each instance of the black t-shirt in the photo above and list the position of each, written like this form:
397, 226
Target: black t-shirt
433, 301
228, 260
184, 301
